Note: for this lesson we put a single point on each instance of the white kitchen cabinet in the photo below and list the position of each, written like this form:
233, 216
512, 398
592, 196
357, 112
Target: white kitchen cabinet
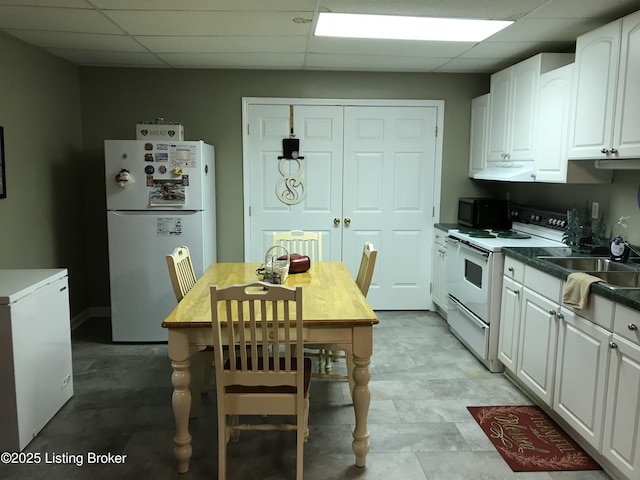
604, 121
621, 439
554, 108
581, 375
554, 102
510, 311
509, 323
439, 274
513, 105
537, 345
478, 134
626, 124
35, 352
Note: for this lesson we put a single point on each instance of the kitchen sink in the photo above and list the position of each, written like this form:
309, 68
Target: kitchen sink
616, 280
592, 264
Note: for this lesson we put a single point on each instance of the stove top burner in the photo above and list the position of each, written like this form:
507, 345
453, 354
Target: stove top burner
512, 234
476, 233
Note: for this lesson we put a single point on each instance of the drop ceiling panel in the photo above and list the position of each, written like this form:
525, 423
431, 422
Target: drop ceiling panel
116, 59
209, 23
606, 10
550, 29
474, 65
384, 47
52, 19
81, 41
45, 3
224, 43
361, 62
235, 60
206, 5
496, 9
511, 49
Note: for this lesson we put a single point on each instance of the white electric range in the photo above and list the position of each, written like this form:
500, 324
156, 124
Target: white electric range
474, 275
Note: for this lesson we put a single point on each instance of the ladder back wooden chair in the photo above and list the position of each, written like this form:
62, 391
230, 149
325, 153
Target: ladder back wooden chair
263, 326
304, 243
181, 273
183, 278
363, 280
367, 264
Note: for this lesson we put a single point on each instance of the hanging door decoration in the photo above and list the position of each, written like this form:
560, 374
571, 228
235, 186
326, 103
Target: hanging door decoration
290, 189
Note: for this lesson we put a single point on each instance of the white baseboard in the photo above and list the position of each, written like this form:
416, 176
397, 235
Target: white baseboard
91, 312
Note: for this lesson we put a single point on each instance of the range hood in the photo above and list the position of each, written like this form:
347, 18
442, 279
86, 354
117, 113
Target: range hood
618, 164
507, 172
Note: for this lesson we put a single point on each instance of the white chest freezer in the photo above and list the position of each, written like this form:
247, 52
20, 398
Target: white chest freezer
35, 352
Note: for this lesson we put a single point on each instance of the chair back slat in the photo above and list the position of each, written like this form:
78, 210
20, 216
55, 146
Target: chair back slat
299, 241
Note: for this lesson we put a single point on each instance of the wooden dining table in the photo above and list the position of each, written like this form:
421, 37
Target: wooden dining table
335, 313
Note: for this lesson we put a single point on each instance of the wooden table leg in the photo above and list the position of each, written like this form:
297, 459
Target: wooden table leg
362, 349
181, 398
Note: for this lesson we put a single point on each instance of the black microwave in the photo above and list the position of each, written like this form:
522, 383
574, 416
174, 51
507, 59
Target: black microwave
484, 213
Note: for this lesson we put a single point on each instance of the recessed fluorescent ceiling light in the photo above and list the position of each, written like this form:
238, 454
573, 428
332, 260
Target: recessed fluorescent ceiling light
406, 28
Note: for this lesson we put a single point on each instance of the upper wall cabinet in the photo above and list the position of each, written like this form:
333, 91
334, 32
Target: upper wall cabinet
512, 111
605, 123
552, 134
478, 134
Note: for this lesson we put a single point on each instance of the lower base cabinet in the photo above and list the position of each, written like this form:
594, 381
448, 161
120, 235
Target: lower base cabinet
621, 439
537, 348
582, 366
580, 377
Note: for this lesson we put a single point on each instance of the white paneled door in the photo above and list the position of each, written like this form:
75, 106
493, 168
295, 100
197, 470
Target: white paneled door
369, 173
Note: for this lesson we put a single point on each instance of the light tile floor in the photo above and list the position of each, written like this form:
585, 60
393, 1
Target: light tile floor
422, 380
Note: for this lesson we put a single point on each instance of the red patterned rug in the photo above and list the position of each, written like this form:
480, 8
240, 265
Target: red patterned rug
529, 441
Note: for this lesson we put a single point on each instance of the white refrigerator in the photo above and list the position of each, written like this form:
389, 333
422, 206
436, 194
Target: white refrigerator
160, 195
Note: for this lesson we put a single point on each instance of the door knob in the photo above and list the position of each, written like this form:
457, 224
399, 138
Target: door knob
347, 221
336, 221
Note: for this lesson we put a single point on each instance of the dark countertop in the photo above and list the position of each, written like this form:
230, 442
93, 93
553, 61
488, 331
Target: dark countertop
446, 226
529, 256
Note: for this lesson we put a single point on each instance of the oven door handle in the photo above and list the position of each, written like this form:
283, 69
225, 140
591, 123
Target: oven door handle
476, 251
453, 241
467, 313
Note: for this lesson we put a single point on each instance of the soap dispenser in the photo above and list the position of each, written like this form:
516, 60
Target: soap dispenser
619, 246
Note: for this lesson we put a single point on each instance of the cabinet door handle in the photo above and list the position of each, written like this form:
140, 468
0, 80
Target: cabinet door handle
614, 151
559, 316
632, 326
604, 150
553, 313
347, 221
516, 292
512, 270
613, 345
336, 221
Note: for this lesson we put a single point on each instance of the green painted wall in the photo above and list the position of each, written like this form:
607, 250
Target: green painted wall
41, 220
208, 103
